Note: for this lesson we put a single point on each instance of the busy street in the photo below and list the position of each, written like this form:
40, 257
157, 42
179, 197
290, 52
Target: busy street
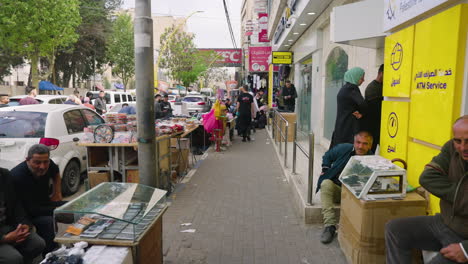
233, 131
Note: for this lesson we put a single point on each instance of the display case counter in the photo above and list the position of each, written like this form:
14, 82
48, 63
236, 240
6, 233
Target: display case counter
116, 214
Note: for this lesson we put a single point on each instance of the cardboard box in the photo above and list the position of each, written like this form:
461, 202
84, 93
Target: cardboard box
95, 178
133, 176
180, 157
182, 143
362, 224
291, 118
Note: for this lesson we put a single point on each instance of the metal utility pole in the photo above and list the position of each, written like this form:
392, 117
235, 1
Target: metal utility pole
147, 153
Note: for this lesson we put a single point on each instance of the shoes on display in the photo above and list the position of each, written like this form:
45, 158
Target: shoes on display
328, 234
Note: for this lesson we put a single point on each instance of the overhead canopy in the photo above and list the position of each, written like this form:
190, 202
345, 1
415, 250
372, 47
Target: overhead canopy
48, 86
119, 86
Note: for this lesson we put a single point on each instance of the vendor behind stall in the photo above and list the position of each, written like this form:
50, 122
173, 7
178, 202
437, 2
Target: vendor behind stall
32, 180
166, 107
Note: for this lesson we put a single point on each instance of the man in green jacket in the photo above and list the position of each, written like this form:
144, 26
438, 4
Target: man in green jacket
445, 177
333, 163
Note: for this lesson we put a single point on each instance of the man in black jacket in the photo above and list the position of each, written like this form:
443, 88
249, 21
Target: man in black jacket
17, 243
32, 184
289, 95
446, 177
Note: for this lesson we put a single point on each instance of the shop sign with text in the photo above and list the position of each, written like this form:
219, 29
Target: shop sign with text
399, 11
227, 57
258, 59
262, 27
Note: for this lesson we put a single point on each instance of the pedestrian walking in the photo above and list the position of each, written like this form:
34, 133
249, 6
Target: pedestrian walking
351, 107
245, 111
289, 95
374, 98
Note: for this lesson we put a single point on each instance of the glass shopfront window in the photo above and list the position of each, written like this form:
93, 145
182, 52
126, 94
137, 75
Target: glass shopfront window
304, 97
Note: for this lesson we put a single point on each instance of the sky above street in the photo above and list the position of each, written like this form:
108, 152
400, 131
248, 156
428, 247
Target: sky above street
210, 27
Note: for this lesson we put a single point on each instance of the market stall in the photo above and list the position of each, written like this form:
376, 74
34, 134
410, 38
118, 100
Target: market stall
112, 150
116, 214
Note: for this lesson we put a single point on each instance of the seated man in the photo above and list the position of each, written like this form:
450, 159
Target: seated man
445, 177
31, 179
333, 163
17, 243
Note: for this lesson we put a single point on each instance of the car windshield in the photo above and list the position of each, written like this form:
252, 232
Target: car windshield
206, 93
193, 99
18, 124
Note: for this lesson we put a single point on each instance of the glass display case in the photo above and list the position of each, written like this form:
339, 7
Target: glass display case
374, 177
111, 211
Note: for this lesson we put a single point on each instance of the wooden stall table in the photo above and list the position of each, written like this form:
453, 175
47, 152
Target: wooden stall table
105, 159
181, 152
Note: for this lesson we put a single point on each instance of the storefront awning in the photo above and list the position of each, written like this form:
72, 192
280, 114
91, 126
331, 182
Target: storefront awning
349, 26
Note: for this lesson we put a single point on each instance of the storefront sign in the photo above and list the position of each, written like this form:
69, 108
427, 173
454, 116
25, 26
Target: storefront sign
280, 57
437, 75
394, 130
398, 63
227, 57
399, 11
263, 27
292, 4
258, 59
279, 30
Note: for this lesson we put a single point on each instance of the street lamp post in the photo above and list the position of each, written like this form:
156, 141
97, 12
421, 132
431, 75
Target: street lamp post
169, 38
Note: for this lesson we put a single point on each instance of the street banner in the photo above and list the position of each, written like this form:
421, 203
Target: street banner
258, 59
263, 27
226, 57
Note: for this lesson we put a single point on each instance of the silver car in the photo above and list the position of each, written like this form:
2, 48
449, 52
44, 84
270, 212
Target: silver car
195, 104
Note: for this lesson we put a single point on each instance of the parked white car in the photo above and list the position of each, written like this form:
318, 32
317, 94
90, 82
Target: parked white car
195, 104
58, 126
41, 98
113, 98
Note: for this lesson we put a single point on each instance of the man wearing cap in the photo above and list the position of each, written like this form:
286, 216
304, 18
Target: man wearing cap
4, 100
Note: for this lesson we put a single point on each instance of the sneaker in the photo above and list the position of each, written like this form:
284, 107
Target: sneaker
328, 234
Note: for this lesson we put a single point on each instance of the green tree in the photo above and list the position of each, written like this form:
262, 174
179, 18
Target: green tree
37, 29
88, 54
7, 61
180, 56
120, 49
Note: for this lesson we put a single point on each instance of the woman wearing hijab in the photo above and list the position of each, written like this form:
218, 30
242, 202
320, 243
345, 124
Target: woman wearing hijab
351, 107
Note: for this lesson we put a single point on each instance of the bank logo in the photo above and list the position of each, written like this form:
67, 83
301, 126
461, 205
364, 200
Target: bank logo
397, 56
392, 125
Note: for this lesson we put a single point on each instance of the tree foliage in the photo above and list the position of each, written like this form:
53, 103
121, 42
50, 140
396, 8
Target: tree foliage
120, 49
180, 56
7, 61
36, 29
88, 54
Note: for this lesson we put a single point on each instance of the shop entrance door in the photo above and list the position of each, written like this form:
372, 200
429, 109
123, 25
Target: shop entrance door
305, 98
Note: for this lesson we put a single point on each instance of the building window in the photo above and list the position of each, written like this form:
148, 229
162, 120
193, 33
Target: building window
336, 66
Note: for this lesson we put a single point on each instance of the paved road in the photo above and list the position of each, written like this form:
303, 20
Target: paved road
240, 205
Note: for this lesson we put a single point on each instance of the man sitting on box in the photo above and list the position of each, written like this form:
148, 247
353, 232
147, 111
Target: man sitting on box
445, 177
32, 180
333, 163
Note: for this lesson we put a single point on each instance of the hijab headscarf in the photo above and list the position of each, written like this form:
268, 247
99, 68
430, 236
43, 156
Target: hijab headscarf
354, 75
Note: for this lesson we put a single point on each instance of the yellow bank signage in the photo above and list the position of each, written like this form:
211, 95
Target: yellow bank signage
394, 130
281, 57
437, 76
398, 63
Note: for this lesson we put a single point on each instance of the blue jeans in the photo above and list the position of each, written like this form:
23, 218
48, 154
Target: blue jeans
419, 232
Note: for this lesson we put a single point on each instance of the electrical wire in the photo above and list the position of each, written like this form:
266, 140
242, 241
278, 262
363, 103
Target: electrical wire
233, 39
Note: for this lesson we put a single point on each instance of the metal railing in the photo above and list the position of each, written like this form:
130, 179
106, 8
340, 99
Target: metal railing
276, 129
283, 126
310, 157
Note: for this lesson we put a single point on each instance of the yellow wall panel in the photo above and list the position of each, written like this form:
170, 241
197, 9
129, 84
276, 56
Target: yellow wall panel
418, 156
394, 130
437, 77
398, 63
